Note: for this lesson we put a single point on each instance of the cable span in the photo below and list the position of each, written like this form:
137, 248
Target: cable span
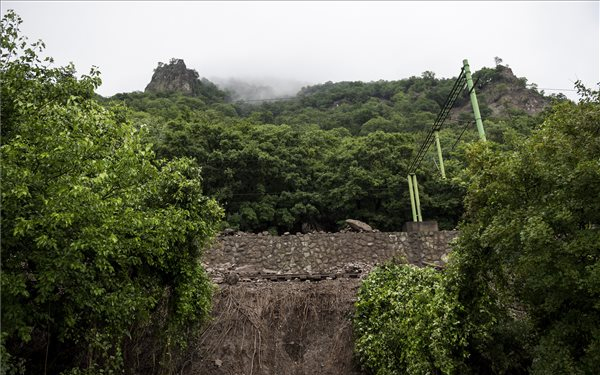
458, 86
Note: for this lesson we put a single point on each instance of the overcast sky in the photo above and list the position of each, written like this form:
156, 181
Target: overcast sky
552, 43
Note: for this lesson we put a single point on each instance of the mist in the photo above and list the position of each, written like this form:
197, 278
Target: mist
551, 43
259, 88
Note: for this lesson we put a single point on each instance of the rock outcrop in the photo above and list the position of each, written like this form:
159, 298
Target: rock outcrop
175, 77
508, 92
500, 92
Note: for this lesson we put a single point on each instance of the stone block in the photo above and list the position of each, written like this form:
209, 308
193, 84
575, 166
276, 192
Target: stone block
423, 226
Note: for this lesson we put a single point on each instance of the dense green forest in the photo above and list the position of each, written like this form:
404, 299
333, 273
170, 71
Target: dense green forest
108, 202
333, 152
520, 294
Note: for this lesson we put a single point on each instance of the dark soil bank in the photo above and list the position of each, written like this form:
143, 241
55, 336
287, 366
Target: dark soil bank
283, 328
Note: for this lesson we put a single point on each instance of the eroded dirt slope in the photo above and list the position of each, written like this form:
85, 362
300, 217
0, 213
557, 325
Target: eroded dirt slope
281, 328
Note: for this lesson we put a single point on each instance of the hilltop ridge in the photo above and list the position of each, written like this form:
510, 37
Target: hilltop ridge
499, 90
502, 91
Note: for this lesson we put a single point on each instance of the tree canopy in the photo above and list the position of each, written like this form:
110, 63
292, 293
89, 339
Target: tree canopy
530, 243
96, 233
520, 294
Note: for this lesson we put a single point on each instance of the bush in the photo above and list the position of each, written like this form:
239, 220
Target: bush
406, 322
95, 232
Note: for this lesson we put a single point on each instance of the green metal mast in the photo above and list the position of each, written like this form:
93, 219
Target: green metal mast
474, 102
439, 152
412, 197
417, 200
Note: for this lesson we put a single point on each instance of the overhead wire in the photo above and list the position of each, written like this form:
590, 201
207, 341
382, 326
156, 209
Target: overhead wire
467, 124
457, 88
548, 89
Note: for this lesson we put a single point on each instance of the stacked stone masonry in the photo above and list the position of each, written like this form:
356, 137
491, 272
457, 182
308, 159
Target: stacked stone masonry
324, 253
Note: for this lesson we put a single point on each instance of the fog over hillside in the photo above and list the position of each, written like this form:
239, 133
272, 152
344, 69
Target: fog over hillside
259, 88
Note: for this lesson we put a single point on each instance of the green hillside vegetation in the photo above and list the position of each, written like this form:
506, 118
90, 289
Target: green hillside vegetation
335, 151
520, 294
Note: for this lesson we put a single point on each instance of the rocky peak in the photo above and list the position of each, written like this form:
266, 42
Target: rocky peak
174, 77
511, 92
501, 92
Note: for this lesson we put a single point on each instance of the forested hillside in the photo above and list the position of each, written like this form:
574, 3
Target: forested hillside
520, 293
107, 204
332, 152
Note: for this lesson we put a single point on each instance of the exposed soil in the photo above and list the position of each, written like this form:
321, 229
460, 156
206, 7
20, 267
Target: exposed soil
278, 328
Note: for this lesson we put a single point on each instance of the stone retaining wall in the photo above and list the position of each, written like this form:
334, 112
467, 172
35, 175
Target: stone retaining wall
317, 253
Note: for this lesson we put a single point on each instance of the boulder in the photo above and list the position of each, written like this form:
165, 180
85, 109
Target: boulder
358, 226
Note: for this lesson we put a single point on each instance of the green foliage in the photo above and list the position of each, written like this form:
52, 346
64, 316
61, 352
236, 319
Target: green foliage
280, 177
311, 160
407, 322
521, 292
529, 250
95, 232
259, 172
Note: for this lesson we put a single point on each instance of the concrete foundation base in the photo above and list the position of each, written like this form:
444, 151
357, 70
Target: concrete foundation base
423, 226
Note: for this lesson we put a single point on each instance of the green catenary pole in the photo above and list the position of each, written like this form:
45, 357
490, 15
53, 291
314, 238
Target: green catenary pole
412, 198
417, 200
439, 152
474, 102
